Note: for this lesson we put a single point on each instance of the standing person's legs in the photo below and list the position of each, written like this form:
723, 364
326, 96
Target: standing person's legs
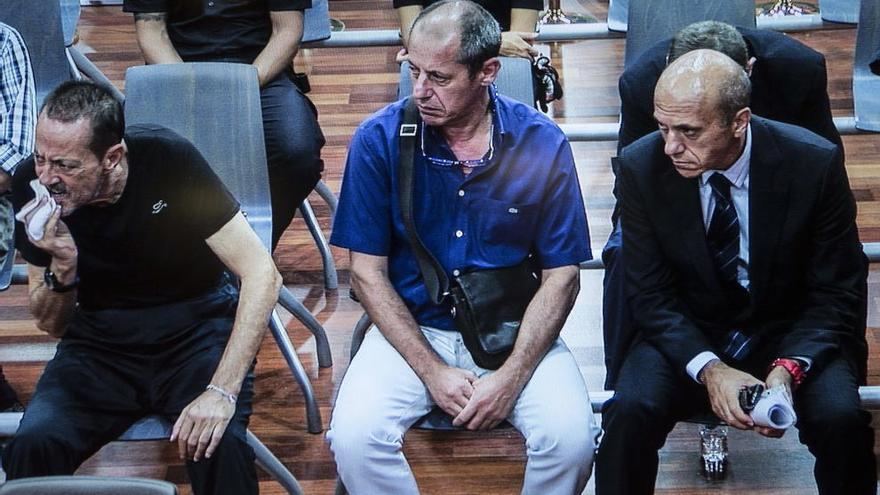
293, 149
649, 399
84, 399
379, 399
836, 430
554, 415
182, 372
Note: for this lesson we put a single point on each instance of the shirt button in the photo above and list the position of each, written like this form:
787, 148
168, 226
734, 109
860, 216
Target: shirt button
461, 192
456, 273
458, 233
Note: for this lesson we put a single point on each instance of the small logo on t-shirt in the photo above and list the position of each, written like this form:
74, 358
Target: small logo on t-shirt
159, 206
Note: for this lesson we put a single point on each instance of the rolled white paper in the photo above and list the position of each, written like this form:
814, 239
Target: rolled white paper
774, 409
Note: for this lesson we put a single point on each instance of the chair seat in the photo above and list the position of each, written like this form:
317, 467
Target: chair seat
87, 485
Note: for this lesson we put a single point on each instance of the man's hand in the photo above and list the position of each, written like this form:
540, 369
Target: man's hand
201, 425
451, 388
5, 182
493, 398
778, 376
723, 384
57, 241
518, 44
401, 56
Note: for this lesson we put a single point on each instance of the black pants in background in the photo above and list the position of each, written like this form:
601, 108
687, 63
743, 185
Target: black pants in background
651, 397
113, 367
293, 148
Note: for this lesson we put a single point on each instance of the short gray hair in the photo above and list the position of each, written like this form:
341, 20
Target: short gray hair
479, 32
712, 35
734, 94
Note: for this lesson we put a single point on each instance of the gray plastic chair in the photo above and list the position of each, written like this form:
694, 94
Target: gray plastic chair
617, 15
39, 23
649, 21
845, 11
316, 22
866, 84
86, 485
217, 107
514, 80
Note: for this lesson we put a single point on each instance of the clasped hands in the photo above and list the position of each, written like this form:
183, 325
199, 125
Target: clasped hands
476, 403
723, 383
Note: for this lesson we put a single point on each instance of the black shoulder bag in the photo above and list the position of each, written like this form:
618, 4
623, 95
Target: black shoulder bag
488, 305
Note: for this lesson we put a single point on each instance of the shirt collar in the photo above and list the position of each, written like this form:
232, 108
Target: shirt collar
737, 172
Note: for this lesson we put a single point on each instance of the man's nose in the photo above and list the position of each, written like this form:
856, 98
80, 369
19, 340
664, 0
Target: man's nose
673, 144
421, 86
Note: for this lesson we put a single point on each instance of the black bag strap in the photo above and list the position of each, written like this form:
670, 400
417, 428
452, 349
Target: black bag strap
433, 274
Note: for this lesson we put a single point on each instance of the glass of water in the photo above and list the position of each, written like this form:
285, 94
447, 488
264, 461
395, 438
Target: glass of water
713, 450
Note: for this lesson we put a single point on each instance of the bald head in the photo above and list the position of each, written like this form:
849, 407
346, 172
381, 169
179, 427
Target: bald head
462, 23
708, 77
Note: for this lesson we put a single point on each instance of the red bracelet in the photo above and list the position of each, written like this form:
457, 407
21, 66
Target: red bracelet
794, 369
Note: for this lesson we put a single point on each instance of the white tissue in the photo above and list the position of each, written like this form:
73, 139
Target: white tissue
37, 211
774, 409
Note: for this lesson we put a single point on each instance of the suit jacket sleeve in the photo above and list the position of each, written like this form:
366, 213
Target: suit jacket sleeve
651, 288
834, 307
636, 111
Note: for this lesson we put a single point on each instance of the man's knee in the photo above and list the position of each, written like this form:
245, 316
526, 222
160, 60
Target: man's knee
838, 421
568, 443
39, 451
353, 435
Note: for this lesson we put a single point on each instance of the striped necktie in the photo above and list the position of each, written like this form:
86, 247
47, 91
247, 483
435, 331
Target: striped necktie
723, 233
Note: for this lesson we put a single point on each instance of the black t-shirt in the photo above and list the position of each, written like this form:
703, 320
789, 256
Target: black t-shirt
206, 30
500, 9
149, 247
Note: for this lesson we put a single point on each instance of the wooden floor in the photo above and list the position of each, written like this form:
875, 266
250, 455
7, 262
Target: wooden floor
349, 84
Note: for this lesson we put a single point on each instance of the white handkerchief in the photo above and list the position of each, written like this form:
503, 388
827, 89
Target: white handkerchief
37, 211
774, 409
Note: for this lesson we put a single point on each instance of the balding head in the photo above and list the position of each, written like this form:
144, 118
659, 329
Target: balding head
709, 77
462, 23
700, 104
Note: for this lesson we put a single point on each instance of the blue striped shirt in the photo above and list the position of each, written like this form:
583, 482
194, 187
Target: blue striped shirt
18, 113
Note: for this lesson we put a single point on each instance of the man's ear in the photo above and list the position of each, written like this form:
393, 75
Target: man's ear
741, 121
489, 72
113, 156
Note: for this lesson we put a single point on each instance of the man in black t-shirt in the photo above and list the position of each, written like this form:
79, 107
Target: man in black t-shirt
129, 271
266, 34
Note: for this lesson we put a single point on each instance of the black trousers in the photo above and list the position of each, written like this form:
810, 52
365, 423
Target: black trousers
651, 397
113, 367
293, 148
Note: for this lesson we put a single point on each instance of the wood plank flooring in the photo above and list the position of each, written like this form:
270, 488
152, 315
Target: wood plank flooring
348, 85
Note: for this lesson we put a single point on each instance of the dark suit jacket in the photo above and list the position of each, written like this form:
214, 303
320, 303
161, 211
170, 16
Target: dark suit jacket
789, 84
807, 270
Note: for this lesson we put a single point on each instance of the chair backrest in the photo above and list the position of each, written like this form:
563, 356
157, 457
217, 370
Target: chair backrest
217, 107
846, 11
316, 22
514, 80
39, 23
86, 485
617, 15
650, 21
866, 84
70, 10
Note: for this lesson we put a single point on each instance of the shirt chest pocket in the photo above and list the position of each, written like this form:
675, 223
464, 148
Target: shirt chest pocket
506, 227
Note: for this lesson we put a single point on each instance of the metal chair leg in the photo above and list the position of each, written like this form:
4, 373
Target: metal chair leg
313, 415
272, 465
330, 277
292, 304
327, 195
357, 335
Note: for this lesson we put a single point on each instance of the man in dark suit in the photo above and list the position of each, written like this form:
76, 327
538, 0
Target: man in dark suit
789, 84
789, 81
743, 267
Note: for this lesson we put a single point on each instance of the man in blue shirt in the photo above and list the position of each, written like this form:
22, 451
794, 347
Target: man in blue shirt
493, 181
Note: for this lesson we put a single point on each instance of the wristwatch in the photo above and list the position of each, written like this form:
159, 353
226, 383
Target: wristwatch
54, 285
794, 368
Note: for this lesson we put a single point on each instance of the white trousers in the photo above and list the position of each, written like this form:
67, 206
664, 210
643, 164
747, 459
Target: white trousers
381, 397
